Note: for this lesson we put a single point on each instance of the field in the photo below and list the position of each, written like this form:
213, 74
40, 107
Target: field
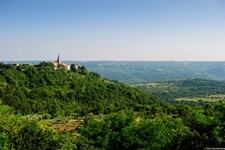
211, 98
61, 123
196, 90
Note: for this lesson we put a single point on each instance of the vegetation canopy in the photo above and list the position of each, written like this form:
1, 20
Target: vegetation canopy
43, 107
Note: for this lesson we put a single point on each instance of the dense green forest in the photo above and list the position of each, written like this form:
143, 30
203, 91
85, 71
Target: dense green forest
42, 89
43, 108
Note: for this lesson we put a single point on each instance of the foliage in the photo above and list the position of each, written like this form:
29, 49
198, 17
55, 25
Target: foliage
104, 114
43, 90
17, 133
127, 130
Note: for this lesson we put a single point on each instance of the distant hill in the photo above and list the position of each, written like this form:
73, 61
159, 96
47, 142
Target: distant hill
186, 89
144, 71
136, 72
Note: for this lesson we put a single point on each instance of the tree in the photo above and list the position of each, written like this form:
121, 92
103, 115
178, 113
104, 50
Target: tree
73, 68
35, 138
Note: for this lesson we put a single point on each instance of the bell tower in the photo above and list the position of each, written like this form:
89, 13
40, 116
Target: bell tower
58, 60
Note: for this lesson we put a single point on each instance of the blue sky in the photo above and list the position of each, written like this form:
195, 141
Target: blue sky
146, 30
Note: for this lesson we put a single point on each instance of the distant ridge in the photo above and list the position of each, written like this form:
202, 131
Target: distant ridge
144, 71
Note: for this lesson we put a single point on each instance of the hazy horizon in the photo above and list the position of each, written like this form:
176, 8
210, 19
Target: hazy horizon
114, 60
128, 30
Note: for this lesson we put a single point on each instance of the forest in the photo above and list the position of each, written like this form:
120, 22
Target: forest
43, 108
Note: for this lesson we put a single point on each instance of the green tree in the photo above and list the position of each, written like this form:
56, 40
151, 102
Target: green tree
73, 68
32, 137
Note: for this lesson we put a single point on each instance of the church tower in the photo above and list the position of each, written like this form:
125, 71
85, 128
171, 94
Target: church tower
58, 60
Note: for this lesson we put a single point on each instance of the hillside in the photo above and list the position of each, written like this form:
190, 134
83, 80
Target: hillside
43, 108
42, 89
186, 89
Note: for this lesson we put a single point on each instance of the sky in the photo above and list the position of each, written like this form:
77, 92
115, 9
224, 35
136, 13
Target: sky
120, 30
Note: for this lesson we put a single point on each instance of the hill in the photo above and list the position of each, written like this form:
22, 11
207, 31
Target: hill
130, 72
41, 89
186, 89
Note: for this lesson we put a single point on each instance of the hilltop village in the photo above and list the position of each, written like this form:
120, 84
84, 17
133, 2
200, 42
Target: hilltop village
57, 63
67, 66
